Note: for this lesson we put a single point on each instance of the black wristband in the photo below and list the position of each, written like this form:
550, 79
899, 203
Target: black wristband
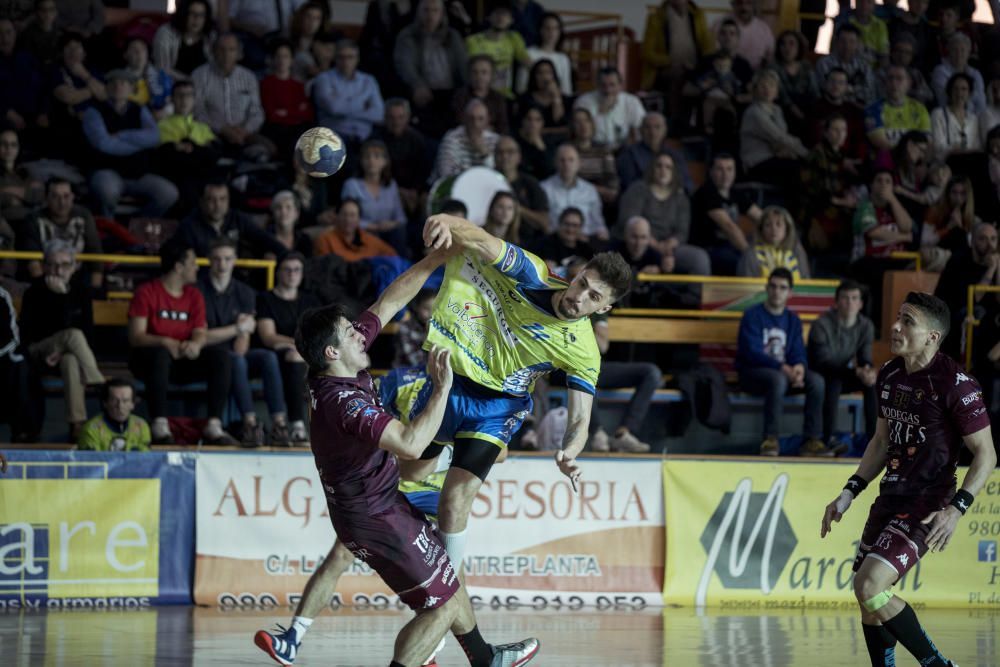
962, 500
856, 484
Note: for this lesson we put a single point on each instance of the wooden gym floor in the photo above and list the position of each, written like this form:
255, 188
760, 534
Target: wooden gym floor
351, 638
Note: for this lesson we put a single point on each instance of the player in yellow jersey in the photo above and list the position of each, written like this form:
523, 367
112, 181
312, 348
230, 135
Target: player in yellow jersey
508, 321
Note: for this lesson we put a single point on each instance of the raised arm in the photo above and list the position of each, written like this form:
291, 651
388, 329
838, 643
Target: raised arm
402, 290
409, 441
449, 231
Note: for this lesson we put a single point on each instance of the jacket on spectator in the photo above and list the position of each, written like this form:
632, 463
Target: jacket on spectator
121, 139
99, 434
45, 313
768, 341
834, 347
656, 40
411, 65
365, 244
80, 230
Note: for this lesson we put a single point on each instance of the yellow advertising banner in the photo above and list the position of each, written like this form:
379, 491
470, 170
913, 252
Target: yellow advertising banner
68, 538
746, 536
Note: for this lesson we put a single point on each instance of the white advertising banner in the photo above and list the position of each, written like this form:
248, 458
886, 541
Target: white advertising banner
263, 527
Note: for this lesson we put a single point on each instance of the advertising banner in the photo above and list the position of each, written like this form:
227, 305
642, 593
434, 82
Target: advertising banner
263, 528
745, 535
95, 529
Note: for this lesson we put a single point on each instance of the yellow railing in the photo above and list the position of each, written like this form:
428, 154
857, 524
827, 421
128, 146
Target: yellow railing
908, 254
266, 264
971, 323
728, 280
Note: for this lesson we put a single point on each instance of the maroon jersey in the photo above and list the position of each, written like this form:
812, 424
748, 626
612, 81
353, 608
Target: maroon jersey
928, 412
347, 424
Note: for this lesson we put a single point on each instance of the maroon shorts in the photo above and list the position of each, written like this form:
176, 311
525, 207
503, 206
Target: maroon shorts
894, 532
405, 551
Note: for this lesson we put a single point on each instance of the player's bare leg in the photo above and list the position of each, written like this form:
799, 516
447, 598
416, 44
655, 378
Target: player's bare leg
415, 471
872, 585
457, 495
419, 636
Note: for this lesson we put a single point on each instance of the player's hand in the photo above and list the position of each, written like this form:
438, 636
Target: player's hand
437, 231
942, 525
835, 512
439, 368
568, 466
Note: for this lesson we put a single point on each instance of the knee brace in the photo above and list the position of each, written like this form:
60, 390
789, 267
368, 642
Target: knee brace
875, 603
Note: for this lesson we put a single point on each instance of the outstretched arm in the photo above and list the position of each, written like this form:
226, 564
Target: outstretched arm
402, 290
447, 231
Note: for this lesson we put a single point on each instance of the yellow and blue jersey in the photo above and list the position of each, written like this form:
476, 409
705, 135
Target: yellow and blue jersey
496, 318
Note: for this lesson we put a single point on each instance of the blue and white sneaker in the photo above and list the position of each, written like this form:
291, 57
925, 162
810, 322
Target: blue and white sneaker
282, 646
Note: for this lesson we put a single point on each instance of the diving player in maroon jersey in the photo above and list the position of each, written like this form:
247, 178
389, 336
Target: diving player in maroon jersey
928, 408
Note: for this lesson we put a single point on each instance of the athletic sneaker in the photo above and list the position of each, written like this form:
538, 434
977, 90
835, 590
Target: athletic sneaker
281, 646
299, 436
769, 447
838, 447
599, 442
626, 442
516, 654
815, 447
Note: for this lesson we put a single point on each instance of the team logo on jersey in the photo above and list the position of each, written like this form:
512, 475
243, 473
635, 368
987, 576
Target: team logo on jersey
971, 398
509, 259
960, 378
537, 331
474, 310
894, 463
918, 396
569, 337
904, 559
885, 395
354, 406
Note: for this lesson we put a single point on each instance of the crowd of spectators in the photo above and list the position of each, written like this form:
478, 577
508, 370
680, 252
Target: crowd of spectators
808, 166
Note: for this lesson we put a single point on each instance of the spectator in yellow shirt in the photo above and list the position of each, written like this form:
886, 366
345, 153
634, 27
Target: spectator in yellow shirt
116, 429
502, 44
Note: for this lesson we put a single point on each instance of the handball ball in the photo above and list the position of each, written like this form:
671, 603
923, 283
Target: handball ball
320, 152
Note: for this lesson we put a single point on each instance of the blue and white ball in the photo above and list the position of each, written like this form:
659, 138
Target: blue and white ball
320, 152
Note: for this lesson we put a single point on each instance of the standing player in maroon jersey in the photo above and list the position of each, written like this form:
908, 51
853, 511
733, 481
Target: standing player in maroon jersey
356, 442
928, 408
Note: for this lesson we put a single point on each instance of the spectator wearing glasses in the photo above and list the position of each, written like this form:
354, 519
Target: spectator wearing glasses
56, 321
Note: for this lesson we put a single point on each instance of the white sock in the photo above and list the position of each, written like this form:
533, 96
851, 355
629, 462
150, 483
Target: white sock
454, 543
301, 625
213, 429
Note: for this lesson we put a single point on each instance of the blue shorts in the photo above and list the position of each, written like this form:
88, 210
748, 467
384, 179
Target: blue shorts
473, 412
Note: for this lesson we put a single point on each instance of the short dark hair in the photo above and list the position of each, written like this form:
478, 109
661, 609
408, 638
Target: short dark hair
848, 28
112, 383
614, 270
955, 78
173, 253
847, 286
291, 256
933, 308
56, 180
182, 84
279, 43
607, 71
317, 329
721, 156
571, 210
455, 207
784, 274
833, 118
213, 183
481, 58
222, 242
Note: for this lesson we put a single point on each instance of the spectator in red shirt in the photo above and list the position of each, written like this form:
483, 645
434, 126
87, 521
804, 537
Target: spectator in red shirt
167, 330
287, 110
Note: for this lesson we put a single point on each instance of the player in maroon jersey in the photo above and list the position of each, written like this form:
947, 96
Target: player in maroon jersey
928, 409
355, 442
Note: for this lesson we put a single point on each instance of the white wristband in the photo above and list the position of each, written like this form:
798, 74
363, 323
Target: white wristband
844, 501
